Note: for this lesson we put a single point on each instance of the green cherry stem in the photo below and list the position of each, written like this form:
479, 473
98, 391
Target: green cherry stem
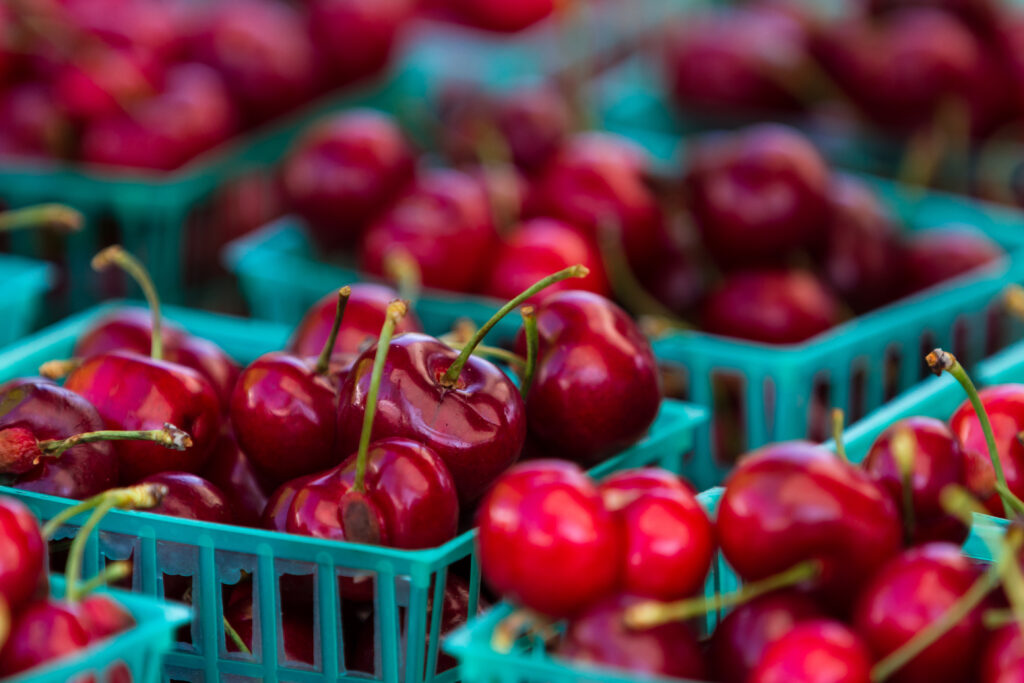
940, 361
139, 496
1013, 579
56, 216
169, 437
115, 255
495, 352
73, 571
653, 613
323, 361
395, 311
112, 573
837, 433
402, 268
904, 446
529, 314
231, 633
451, 376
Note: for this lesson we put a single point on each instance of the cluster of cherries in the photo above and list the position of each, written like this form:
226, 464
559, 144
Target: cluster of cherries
852, 573
151, 84
295, 441
758, 202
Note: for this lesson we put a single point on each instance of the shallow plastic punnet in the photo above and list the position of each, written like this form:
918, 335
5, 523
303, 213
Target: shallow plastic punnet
138, 651
26, 282
213, 556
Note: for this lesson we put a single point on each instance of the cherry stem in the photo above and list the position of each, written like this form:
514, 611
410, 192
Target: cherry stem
57, 216
1013, 579
1009, 496
1013, 299
529, 314
59, 369
958, 502
115, 255
940, 361
904, 447
956, 613
495, 352
395, 311
994, 619
139, 496
323, 361
838, 420
403, 269
5, 622
653, 613
451, 376
169, 437
113, 572
231, 633
73, 571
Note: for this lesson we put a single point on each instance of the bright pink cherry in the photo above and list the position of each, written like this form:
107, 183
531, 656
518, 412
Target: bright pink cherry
818, 651
22, 554
1002, 659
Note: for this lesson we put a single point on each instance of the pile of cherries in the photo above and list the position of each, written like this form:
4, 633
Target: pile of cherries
761, 205
851, 573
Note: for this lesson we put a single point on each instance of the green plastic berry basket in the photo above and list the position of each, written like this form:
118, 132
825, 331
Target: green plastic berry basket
214, 556
137, 651
26, 282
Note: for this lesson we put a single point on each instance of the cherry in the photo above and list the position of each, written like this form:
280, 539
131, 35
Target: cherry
737, 59
31, 122
817, 651
795, 501
43, 631
190, 497
52, 412
540, 246
22, 555
546, 540
345, 171
1005, 407
1003, 656
937, 462
770, 306
592, 361
505, 17
444, 223
983, 17
668, 540
739, 642
102, 616
297, 636
355, 38
596, 182
233, 472
676, 279
937, 255
599, 636
758, 193
102, 82
912, 591
278, 507
620, 488
862, 261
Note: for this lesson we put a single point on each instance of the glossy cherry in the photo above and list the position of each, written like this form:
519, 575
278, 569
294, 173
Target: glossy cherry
770, 306
233, 472
599, 636
1002, 660
593, 361
739, 642
912, 591
937, 255
191, 497
794, 501
757, 194
345, 171
278, 508
546, 540
22, 554
355, 38
52, 412
817, 651
44, 630
938, 462
444, 223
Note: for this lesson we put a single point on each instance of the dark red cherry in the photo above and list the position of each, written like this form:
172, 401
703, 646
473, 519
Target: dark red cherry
817, 651
911, 592
938, 462
191, 497
22, 555
1005, 407
546, 540
739, 642
676, 278
477, 427
355, 38
1002, 660
539, 247
791, 502
770, 306
42, 632
275, 513
52, 412
31, 122
233, 472
595, 389
345, 171
937, 255
506, 17
534, 122
297, 636
757, 194
444, 223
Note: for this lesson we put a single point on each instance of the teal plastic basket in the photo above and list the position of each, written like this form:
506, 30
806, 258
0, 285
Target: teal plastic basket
215, 556
138, 651
26, 282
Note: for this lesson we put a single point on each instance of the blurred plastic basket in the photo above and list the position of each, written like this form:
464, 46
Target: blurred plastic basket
26, 282
137, 652
214, 556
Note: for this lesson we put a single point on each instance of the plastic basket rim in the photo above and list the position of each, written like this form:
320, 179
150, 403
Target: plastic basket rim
35, 272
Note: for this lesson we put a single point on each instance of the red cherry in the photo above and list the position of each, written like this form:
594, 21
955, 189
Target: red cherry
546, 540
345, 171
233, 472
103, 82
275, 514
791, 502
937, 255
1003, 656
297, 636
495, 15
102, 616
770, 306
191, 497
31, 122
355, 38
912, 591
44, 631
599, 636
619, 488
534, 122
820, 651
22, 555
